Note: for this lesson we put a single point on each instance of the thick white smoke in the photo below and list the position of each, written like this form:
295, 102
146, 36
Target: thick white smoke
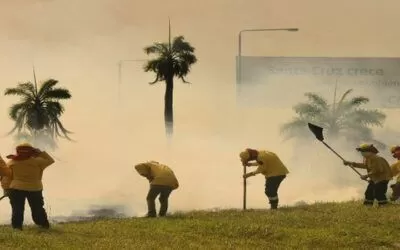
80, 47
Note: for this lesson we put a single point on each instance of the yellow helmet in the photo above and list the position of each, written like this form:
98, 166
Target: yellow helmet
365, 147
245, 156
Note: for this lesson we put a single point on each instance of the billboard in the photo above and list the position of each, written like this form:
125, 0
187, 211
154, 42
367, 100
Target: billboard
280, 82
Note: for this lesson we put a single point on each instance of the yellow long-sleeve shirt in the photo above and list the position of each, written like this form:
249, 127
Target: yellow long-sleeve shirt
396, 170
269, 164
27, 174
378, 168
158, 174
5, 174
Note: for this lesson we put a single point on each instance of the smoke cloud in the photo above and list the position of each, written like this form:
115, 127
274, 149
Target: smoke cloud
80, 43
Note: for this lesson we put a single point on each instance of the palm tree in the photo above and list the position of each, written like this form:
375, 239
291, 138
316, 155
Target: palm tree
344, 118
37, 115
173, 59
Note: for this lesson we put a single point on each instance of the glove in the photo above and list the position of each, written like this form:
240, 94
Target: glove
248, 175
347, 163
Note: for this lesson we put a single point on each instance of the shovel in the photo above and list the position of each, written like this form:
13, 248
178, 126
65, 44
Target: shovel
317, 131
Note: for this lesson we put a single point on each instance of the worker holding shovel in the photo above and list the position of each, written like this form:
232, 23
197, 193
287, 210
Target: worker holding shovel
379, 174
270, 166
395, 150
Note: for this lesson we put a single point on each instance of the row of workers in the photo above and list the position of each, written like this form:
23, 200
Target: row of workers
21, 179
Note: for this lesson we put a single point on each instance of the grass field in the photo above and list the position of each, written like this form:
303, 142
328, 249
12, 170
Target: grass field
321, 226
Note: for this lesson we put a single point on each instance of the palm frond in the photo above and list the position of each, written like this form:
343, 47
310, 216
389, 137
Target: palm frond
317, 100
179, 45
16, 109
57, 93
359, 100
307, 110
46, 86
345, 95
355, 102
368, 117
54, 108
59, 130
24, 92
153, 65
156, 48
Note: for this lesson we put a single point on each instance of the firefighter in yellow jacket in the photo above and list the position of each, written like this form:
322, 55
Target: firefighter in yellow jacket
270, 166
162, 182
378, 172
395, 150
27, 167
5, 177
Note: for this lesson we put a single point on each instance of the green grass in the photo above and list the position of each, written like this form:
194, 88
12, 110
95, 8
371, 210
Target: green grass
321, 226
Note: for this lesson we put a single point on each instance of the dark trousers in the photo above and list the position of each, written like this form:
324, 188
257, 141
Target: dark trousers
271, 189
376, 191
396, 191
36, 203
156, 190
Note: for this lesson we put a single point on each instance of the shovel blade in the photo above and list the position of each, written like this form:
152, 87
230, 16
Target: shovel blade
317, 131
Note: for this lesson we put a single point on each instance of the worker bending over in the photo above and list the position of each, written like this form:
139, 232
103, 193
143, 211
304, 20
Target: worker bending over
162, 182
270, 166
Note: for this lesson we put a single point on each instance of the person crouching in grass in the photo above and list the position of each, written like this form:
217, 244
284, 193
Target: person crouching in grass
27, 168
162, 182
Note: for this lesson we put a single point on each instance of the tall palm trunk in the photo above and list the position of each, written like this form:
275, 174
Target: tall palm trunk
168, 105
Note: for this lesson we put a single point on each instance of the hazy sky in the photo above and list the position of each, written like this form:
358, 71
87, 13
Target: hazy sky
80, 42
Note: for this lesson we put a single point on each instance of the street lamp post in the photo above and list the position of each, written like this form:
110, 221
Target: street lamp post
239, 80
120, 62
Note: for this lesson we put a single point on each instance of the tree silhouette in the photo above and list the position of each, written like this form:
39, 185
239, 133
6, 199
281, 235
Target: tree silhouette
173, 59
344, 117
37, 114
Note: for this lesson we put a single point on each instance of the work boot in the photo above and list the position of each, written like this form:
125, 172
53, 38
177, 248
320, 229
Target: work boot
150, 216
383, 203
46, 227
274, 204
368, 203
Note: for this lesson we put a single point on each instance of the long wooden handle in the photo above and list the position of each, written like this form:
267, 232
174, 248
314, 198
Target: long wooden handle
355, 170
244, 188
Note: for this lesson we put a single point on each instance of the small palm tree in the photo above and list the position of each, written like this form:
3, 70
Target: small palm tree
173, 59
37, 115
341, 118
